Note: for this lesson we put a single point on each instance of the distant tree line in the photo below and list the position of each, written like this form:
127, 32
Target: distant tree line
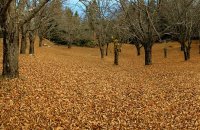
139, 22
145, 22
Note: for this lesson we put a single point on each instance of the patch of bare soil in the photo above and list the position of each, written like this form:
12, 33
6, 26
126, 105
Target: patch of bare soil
61, 88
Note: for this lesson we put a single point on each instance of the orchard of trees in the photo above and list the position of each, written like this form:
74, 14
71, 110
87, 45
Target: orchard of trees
139, 22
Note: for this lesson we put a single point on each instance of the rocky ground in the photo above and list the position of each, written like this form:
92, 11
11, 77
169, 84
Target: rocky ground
61, 88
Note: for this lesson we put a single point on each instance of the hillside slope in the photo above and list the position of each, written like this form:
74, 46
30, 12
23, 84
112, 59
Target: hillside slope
61, 88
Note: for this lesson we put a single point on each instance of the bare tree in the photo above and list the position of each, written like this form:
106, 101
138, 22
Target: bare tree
183, 17
70, 25
49, 17
142, 18
99, 17
10, 22
137, 43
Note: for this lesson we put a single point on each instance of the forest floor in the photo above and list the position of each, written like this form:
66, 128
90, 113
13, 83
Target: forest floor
62, 89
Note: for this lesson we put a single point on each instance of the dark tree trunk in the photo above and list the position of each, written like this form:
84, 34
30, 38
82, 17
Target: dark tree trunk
138, 49
107, 45
102, 52
23, 42
188, 52
116, 56
40, 41
165, 52
182, 47
188, 48
148, 53
101, 47
10, 53
185, 52
32, 41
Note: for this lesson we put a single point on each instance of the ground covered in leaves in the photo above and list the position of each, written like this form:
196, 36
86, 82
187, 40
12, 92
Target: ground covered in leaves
62, 89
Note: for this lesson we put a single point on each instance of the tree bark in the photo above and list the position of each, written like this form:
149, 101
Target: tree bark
10, 53
102, 52
165, 52
11, 37
182, 47
23, 42
40, 41
138, 49
188, 52
185, 52
101, 47
148, 53
116, 57
32, 41
107, 45
188, 47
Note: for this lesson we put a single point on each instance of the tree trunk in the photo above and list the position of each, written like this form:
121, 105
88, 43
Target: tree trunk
116, 57
165, 52
102, 52
40, 41
138, 49
10, 53
185, 52
101, 47
182, 47
32, 41
188, 52
148, 54
23, 42
107, 45
188, 48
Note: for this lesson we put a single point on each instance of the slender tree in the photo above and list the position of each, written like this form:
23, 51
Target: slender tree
183, 17
99, 17
142, 18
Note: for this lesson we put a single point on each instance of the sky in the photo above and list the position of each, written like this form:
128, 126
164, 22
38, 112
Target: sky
75, 5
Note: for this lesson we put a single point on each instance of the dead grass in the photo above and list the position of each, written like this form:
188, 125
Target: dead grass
61, 88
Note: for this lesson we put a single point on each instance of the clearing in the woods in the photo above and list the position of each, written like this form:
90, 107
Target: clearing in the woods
61, 88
